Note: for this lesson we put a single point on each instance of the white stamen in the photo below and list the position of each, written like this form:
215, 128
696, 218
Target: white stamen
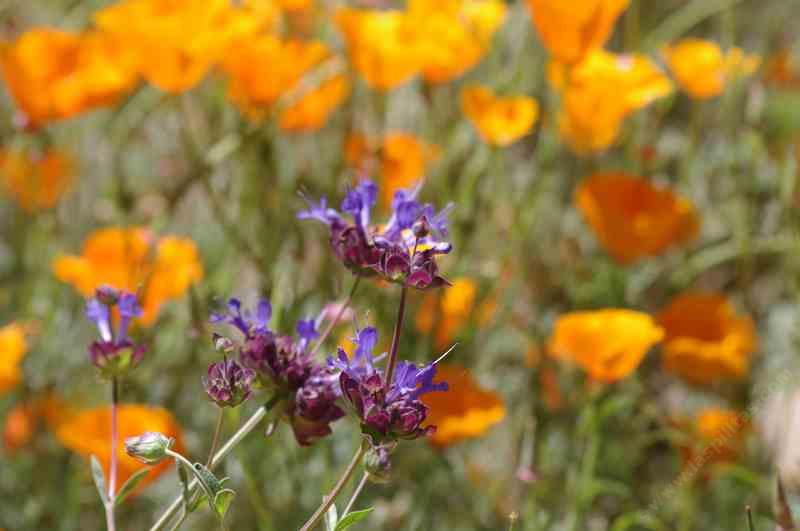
443, 356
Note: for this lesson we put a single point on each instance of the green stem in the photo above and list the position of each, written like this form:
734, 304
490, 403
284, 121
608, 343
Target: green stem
391, 363
237, 437
215, 440
356, 494
330, 498
336, 318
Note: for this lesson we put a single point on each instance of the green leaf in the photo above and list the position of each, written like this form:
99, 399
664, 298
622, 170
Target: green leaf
222, 502
352, 518
331, 518
130, 485
99, 479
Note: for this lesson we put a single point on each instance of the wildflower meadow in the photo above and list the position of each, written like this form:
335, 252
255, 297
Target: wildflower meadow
400, 265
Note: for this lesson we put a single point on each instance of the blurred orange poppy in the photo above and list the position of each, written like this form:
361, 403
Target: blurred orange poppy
296, 5
23, 420
403, 159
702, 69
454, 34
131, 259
53, 74
500, 121
12, 349
262, 70
632, 218
608, 344
783, 70
716, 437
466, 411
570, 30
383, 45
706, 340
178, 41
312, 109
449, 312
599, 92
88, 433
36, 181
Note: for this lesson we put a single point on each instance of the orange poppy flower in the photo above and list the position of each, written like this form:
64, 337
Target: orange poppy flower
52, 74
12, 349
296, 5
403, 159
569, 30
449, 312
22, 421
599, 92
383, 45
717, 437
131, 259
313, 108
178, 41
466, 411
632, 218
706, 341
88, 433
702, 69
454, 34
262, 70
608, 344
500, 121
783, 70
36, 181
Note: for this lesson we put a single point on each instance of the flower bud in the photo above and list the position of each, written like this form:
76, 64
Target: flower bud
107, 295
421, 227
149, 448
377, 464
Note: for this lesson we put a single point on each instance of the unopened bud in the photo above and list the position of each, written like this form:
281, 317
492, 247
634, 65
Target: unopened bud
149, 448
421, 227
107, 295
377, 464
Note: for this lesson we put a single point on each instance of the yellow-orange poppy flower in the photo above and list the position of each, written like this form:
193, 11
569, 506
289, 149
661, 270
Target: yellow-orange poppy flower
88, 433
296, 5
262, 70
23, 420
383, 45
133, 260
702, 69
447, 314
633, 218
706, 340
178, 41
717, 437
53, 74
312, 109
466, 411
500, 121
599, 92
570, 30
454, 34
12, 349
608, 344
36, 181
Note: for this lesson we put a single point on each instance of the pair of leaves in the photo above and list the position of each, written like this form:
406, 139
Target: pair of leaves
213, 490
332, 522
124, 491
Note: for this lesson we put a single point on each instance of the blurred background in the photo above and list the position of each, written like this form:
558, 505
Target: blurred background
624, 175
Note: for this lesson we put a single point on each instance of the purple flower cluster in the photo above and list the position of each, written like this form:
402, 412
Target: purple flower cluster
227, 383
283, 364
114, 353
387, 412
403, 250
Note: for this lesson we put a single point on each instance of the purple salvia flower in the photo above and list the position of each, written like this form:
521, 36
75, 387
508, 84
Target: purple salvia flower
114, 354
307, 330
314, 407
245, 321
403, 252
227, 383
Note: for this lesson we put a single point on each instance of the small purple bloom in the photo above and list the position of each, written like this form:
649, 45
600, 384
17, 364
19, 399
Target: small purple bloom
227, 383
245, 321
386, 413
114, 354
403, 251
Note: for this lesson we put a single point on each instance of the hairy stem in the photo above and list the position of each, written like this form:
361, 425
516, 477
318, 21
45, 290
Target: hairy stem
330, 498
215, 440
112, 474
398, 325
235, 439
356, 494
